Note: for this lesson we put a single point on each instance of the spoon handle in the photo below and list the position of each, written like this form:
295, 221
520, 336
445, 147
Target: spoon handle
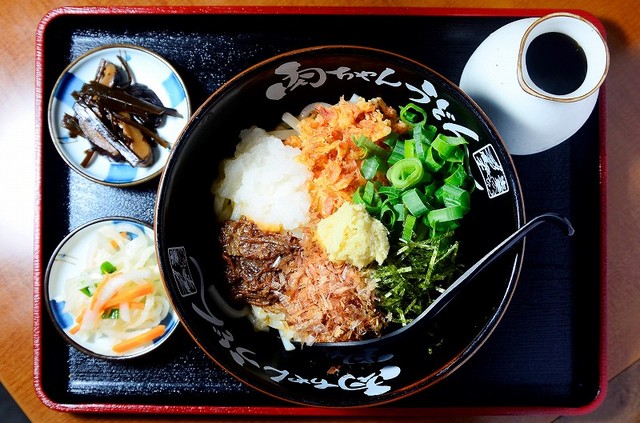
495, 253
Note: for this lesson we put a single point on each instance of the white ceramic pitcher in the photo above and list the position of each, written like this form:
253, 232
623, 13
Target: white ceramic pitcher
528, 118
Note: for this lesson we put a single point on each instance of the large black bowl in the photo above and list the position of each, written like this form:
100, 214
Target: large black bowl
189, 255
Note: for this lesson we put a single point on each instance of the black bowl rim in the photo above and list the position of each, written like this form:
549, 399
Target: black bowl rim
519, 210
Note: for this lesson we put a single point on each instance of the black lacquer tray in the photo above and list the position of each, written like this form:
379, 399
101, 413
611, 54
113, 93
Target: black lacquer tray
546, 356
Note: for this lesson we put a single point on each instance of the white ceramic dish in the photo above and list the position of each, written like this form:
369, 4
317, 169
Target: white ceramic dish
529, 119
148, 68
68, 261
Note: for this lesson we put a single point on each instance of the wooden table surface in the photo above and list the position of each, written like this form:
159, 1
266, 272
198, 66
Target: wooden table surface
18, 186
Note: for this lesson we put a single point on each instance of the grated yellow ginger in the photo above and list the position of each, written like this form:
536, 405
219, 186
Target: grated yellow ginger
352, 236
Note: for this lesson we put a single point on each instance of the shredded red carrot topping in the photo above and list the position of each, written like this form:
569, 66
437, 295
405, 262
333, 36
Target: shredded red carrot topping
326, 140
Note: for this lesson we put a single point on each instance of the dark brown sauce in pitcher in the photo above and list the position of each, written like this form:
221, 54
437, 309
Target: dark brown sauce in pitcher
556, 63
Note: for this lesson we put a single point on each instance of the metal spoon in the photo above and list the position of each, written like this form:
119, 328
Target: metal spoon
463, 280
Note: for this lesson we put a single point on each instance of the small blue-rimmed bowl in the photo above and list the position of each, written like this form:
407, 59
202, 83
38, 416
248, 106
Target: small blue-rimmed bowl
148, 68
68, 261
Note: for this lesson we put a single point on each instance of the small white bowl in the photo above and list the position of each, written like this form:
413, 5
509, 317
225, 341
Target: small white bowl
148, 68
68, 261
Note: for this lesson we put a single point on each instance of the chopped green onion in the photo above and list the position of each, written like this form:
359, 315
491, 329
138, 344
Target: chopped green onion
432, 161
369, 192
406, 173
424, 133
370, 148
86, 291
443, 147
412, 115
356, 198
368, 196
388, 214
429, 182
430, 190
370, 167
458, 176
449, 148
397, 153
415, 202
445, 214
407, 227
409, 149
451, 195
401, 211
391, 139
420, 149
113, 313
392, 193
107, 267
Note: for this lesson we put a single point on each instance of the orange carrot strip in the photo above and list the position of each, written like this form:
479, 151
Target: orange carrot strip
78, 321
139, 340
136, 306
80, 316
99, 287
124, 296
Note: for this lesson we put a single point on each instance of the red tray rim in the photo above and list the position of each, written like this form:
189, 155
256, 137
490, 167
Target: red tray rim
294, 410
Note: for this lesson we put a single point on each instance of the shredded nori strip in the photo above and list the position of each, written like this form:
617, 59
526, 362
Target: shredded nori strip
414, 275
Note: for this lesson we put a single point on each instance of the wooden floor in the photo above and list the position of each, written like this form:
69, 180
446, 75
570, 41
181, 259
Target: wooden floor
622, 403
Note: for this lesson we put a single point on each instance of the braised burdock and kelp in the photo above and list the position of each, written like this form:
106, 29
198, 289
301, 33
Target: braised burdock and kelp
342, 221
118, 116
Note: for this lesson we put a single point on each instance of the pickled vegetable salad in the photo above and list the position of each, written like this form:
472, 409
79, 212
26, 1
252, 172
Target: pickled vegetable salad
118, 299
